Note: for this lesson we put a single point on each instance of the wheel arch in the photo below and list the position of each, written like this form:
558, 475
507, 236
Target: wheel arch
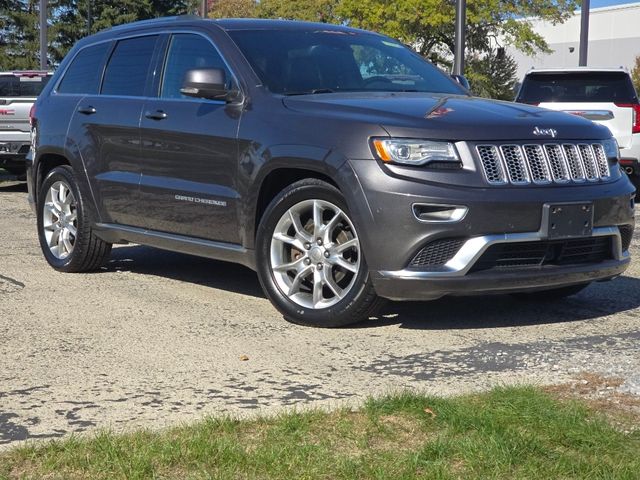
50, 158
280, 178
47, 161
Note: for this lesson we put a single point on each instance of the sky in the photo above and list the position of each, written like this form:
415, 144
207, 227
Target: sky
607, 3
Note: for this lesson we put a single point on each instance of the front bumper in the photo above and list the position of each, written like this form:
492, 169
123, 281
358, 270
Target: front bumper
456, 277
392, 236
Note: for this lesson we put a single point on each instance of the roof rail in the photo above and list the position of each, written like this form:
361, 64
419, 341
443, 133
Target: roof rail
151, 21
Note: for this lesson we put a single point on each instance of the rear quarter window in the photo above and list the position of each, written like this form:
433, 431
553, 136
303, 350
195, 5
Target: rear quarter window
17, 85
612, 87
83, 75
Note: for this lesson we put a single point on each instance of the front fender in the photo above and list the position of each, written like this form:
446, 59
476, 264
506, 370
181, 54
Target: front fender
256, 166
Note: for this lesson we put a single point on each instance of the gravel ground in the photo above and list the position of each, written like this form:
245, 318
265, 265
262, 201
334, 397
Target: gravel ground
158, 338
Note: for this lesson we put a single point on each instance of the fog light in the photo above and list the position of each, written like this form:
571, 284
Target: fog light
427, 212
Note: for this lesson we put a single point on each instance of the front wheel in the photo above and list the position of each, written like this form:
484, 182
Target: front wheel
310, 260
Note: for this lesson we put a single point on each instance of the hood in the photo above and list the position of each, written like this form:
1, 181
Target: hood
446, 117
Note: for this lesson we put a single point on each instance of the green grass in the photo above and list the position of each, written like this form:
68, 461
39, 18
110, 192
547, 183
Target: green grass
507, 433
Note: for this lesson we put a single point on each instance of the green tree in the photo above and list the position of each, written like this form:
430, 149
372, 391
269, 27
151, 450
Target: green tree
310, 10
19, 34
233, 9
635, 74
428, 25
68, 22
70, 17
492, 75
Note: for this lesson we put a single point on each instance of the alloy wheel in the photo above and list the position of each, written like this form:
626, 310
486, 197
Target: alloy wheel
60, 220
315, 254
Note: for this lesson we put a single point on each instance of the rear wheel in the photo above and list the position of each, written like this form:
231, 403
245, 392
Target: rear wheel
310, 260
64, 225
550, 295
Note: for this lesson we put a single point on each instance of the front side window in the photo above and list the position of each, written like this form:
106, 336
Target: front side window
128, 67
188, 52
83, 75
299, 62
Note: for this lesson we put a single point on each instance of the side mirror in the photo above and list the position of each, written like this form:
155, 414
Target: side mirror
205, 83
462, 80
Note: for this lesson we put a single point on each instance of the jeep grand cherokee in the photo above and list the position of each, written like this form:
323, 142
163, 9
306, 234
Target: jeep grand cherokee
336, 162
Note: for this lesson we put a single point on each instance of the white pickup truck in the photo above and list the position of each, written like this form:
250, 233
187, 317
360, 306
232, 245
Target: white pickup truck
18, 91
603, 95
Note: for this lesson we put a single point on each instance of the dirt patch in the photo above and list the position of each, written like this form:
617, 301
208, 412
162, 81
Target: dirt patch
601, 394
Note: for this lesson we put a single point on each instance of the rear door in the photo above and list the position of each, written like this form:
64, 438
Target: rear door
607, 98
18, 91
189, 149
106, 129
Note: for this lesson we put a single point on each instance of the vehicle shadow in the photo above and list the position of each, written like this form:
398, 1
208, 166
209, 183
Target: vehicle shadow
12, 186
598, 300
186, 268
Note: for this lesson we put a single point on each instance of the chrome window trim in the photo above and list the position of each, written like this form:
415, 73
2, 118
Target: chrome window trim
147, 34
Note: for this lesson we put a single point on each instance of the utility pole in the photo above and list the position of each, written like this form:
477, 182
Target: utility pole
461, 23
584, 33
43, 34
205, 8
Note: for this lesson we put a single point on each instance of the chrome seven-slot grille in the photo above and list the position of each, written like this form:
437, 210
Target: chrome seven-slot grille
543, 164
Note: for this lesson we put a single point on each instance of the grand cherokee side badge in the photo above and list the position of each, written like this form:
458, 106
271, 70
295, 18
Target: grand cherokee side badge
547, 132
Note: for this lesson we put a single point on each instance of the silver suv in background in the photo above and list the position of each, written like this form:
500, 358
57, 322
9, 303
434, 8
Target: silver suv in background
603, 95
18, 92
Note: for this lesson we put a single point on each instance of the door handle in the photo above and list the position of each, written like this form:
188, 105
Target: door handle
157, 115
87, 110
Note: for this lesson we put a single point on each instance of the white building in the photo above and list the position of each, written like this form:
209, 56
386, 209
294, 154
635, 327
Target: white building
614, 40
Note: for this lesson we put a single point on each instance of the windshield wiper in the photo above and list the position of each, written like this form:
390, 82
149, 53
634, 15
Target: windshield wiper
311, 92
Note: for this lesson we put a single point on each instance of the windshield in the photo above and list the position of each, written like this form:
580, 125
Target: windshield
16, 85
294, 62
613, 87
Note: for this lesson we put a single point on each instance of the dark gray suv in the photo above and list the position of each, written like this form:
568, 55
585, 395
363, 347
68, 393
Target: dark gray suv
337, 163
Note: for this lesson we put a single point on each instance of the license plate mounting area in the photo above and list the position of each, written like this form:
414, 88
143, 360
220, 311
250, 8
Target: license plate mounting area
567, 220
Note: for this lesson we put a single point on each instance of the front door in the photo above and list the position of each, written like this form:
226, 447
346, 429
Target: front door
189, 150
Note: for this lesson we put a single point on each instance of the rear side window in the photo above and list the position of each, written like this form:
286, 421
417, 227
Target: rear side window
186, 52
614, 87
18, 85
128, 67
83, 75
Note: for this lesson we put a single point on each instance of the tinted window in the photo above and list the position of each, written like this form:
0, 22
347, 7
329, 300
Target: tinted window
187, 52
294, 62
577, 87
83, 75
128, 66
22, 85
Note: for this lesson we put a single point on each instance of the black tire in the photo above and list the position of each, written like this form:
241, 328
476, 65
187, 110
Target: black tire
358, 304
89, 252
551, 295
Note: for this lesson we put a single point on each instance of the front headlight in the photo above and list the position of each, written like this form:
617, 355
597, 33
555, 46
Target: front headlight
611, 148
413, 152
